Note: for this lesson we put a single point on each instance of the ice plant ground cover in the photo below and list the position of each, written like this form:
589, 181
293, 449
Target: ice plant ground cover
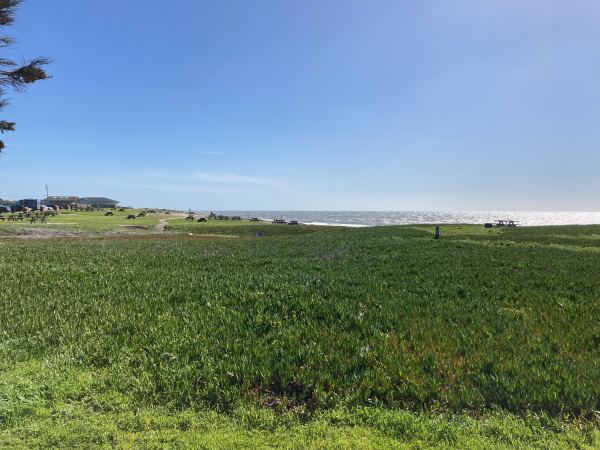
301, 336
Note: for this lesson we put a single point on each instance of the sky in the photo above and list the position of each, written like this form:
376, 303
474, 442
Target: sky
310, 105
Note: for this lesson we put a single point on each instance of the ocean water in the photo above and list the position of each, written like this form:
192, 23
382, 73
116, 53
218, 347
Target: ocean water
380, 218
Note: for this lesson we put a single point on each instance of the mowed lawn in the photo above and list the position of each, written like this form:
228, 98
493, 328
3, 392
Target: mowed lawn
302, 337
87, 222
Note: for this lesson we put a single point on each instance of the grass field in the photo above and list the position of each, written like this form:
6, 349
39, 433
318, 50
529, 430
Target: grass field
302, 336
87, 222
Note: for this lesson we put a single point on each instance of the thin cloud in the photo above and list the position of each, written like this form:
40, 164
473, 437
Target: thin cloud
213, 153
231, 178
184, 188
206, 178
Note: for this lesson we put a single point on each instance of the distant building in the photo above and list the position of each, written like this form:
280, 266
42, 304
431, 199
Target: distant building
32, 203
62, 201
97, 202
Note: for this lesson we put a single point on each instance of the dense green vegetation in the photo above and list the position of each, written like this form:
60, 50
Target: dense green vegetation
483, 337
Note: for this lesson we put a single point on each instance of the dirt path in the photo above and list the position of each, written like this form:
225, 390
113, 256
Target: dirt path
161, 225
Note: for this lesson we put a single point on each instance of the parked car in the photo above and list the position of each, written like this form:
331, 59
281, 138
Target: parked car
4, 209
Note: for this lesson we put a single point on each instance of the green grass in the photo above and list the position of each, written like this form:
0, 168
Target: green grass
89, 222
305, 336
51, 405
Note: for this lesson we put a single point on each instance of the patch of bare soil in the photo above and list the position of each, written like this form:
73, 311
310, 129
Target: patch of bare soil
40, 233
161, 225
50, 233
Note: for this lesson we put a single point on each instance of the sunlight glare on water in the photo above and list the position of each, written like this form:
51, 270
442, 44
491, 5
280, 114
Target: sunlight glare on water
378, 218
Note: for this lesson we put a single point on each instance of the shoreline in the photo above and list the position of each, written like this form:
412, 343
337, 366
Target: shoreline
371, 219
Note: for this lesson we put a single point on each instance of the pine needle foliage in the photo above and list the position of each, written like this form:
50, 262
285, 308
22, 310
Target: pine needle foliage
12, 75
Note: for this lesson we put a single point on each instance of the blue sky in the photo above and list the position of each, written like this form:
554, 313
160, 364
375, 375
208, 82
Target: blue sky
311, 105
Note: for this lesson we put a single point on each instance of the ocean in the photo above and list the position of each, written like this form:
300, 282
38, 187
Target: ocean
381, 218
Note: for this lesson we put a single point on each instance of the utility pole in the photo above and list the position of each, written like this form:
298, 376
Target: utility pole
46, 191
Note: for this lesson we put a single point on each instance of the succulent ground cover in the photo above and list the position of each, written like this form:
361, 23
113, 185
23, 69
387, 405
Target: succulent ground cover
302, 336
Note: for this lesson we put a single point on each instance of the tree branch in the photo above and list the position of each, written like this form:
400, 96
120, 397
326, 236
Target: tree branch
17, 77
7, 10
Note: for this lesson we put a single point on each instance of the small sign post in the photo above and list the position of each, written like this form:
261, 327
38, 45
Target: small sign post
437, 231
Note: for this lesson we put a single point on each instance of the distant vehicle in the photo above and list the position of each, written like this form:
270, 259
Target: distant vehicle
21, 205
4, 208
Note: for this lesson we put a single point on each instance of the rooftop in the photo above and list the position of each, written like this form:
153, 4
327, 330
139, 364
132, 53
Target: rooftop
61, 198
99, 199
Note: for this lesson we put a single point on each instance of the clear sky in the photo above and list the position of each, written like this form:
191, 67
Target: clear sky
312, 104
